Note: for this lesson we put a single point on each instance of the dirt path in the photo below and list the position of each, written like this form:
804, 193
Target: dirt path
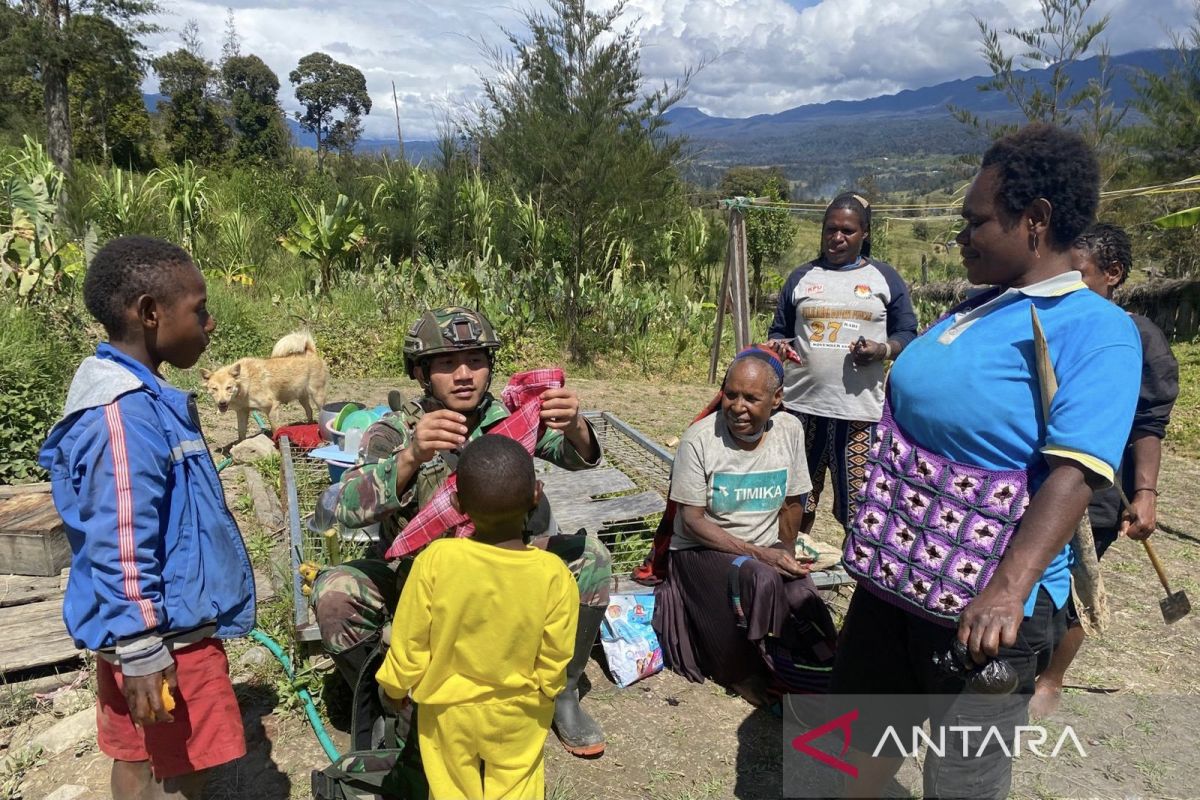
671, 740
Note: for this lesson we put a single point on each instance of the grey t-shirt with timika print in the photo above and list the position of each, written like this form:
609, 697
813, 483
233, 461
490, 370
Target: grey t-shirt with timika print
822, 311
740, 490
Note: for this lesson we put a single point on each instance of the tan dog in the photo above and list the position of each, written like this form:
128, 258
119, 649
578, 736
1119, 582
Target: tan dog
293, 374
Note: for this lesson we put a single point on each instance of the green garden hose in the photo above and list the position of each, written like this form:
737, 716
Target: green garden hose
310, 708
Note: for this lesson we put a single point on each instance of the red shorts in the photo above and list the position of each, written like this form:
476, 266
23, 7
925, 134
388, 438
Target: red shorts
207, 730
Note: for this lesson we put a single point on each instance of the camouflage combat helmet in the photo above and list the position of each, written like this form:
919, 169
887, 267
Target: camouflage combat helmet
445, 330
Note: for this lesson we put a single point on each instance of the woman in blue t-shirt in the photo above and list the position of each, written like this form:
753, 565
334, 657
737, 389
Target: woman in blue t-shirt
980, 476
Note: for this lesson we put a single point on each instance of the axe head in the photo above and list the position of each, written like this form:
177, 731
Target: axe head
1175, 606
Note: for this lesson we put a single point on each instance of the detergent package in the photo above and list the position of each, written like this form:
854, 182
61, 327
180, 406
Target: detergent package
630, 644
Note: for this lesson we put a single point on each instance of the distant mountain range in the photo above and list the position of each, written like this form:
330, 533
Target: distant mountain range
930, 102
829, 143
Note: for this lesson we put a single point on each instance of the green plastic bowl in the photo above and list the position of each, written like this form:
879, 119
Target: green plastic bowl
347, 410
361, 419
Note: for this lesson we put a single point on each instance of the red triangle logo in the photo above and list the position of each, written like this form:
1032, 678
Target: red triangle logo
842, 723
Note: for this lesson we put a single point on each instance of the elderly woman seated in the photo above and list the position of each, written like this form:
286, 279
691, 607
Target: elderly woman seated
736, 606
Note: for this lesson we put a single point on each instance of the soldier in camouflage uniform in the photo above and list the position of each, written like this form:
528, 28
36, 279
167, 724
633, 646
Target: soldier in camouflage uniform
407, 455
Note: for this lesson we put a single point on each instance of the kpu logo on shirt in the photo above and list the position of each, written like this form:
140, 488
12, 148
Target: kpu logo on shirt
814, 288
862, 290
748, 491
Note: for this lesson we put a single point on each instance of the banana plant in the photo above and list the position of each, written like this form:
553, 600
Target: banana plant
31, 252
327, 237
1187, 218
32, 164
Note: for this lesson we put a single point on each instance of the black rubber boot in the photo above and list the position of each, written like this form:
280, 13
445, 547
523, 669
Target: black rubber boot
368, 718
577, 731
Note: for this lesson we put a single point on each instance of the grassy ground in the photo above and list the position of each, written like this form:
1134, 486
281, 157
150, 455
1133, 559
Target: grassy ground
671, 740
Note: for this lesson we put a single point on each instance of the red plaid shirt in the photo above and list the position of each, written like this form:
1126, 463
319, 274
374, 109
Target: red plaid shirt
523, 398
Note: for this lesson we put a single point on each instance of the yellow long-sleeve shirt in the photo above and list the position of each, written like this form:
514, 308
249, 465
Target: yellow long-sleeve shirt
477, 623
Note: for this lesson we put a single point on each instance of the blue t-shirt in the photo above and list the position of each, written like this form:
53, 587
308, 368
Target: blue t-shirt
968, 390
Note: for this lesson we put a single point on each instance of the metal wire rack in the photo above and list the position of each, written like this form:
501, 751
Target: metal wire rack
648, 465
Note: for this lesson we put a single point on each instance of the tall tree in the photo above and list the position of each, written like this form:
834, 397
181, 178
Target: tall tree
326, 87
1170, 103
108, 114
565, 118
742, 181
194, 126
42, 30
232, 46
252, 89
189, 36
769, 231
1063, 37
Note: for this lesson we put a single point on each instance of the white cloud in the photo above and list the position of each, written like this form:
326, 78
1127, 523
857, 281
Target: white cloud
764, 56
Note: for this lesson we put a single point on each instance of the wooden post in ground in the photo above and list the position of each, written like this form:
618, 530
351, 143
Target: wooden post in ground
740, 285
722, 295
735, 289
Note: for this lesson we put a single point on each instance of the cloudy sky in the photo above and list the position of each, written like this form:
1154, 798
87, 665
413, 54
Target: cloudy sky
762, 56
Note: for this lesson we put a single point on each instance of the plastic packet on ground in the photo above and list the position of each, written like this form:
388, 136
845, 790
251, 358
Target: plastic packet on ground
630, 644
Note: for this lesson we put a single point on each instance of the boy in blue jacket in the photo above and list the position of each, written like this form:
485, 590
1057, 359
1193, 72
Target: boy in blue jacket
159, 572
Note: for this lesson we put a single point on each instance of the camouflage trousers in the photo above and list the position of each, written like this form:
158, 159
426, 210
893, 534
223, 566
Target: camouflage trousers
354, 601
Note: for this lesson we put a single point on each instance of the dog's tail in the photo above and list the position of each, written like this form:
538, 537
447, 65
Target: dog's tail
295, 344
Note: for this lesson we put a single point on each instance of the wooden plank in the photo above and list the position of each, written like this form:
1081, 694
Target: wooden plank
14, 510
35, 553
34, 636
16, 590
24, 488
29, 513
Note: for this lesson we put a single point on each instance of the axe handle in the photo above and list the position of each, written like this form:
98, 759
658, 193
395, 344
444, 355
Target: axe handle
1158, 567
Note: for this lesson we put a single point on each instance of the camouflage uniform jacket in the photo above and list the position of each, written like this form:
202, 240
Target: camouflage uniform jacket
368, 493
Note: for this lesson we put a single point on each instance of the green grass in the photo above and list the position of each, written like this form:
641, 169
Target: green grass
1183, 437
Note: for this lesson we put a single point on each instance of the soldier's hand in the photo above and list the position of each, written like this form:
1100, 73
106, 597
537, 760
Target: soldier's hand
437, 431
560, 410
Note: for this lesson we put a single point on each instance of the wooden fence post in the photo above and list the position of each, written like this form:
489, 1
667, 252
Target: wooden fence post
735, 288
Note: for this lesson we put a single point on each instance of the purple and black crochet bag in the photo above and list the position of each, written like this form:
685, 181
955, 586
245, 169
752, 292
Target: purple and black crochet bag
929, 532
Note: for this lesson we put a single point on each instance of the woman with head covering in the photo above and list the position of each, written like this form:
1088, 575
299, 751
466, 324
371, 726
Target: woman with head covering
1000, 420
843, 314
736, 605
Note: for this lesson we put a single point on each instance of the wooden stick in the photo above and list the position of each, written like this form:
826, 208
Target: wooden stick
396, 104
722, 298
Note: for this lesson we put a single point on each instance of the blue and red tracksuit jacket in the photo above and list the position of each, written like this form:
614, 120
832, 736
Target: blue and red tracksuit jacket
157, 559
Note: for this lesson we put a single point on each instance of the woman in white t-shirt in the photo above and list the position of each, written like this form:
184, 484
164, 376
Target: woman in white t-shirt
844, 314
736, 606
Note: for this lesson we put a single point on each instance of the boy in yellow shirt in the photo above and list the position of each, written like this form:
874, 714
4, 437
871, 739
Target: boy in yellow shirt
482, 636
